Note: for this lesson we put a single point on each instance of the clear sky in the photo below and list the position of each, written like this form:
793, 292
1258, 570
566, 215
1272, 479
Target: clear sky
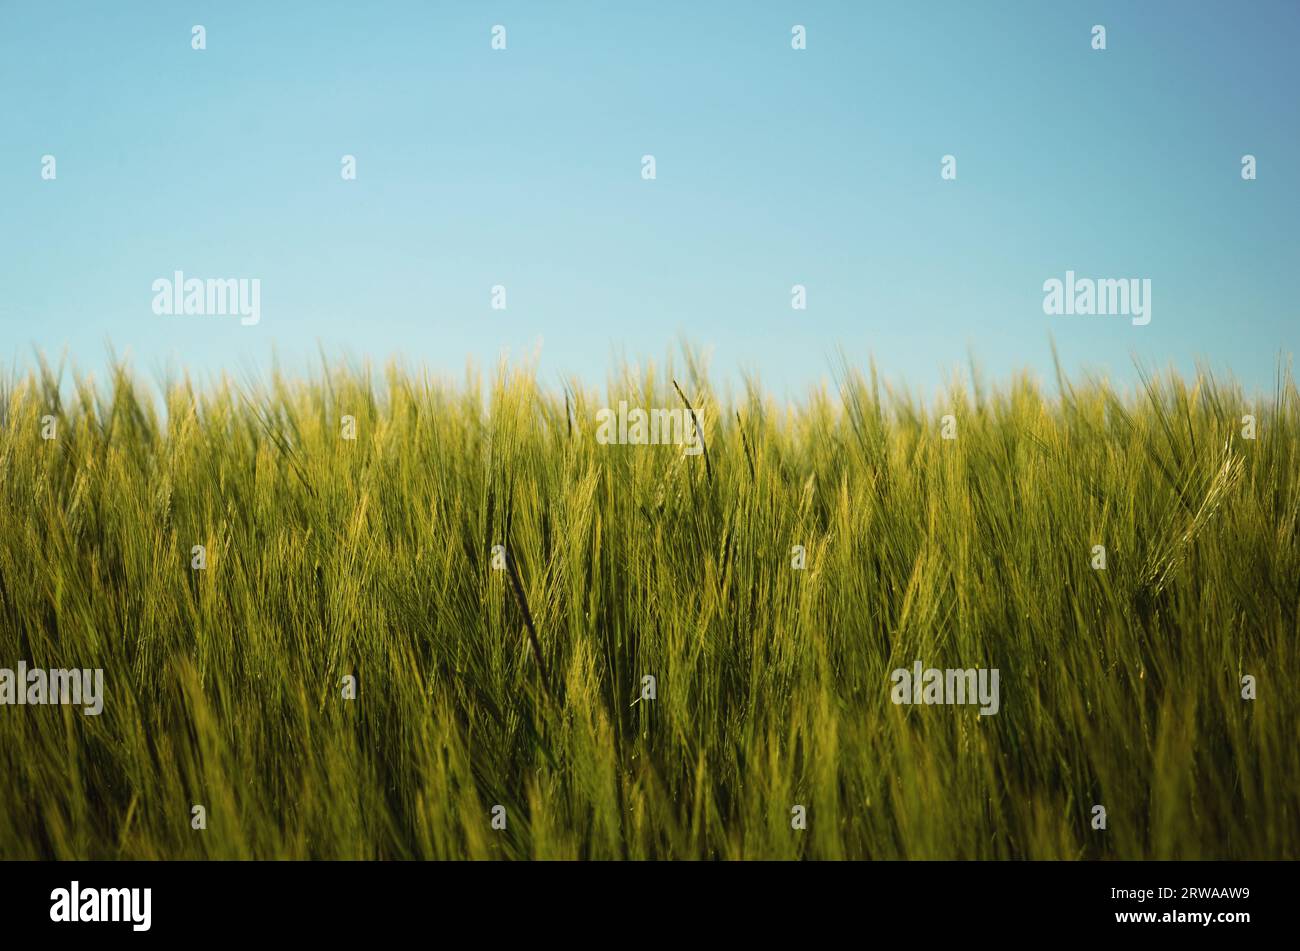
775, 167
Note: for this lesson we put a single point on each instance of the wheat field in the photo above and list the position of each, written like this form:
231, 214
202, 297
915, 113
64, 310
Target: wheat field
358, 671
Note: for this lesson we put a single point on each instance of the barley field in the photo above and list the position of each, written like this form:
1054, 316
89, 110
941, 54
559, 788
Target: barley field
358, 671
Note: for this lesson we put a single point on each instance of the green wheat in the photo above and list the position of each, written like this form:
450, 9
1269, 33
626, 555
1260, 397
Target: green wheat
372, 558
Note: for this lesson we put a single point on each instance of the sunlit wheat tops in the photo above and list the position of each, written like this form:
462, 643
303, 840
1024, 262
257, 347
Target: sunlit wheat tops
359, 615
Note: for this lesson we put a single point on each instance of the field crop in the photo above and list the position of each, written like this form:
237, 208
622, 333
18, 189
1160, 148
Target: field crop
361, 647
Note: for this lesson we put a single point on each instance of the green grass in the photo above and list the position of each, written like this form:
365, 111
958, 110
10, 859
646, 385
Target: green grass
373, 557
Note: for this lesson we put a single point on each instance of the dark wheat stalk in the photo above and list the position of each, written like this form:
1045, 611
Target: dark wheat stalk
528, 621
708, 470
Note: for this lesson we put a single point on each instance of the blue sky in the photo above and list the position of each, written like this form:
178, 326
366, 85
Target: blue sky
775, 167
